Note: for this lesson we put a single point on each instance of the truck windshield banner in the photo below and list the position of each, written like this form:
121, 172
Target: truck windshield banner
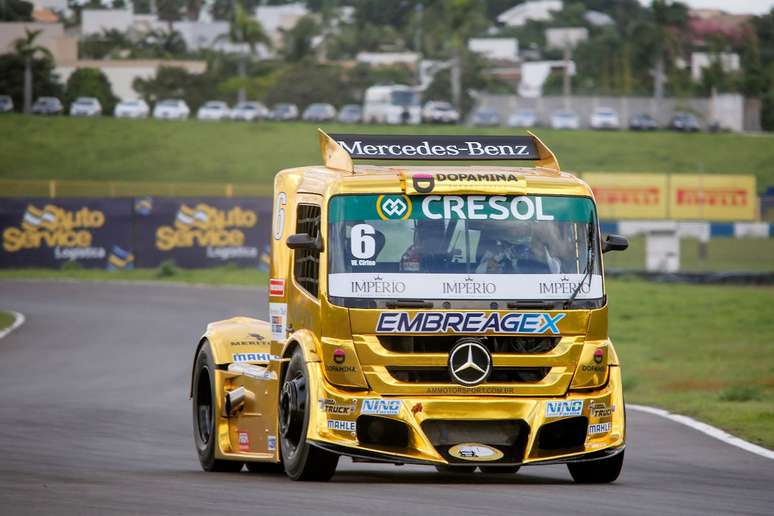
397, 147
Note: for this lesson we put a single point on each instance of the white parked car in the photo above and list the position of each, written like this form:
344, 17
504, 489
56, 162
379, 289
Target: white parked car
171, 109
6, 104
249, 111
131, 109
86, 106
439, 112
350, 114
213, 110
565, 120
604, 118
523, 118
319, 112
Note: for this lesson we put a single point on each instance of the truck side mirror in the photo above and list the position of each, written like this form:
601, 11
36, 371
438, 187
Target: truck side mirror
304, 241
615, 243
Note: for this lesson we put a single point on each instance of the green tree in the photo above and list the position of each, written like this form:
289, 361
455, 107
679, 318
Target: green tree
27, 50
170, 11
297, 41
44, 81
160, 44
90, 82
110, 43
245, 30
15, 11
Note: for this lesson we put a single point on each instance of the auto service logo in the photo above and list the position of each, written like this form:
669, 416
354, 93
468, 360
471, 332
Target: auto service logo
469, 362
207, 226
393, 207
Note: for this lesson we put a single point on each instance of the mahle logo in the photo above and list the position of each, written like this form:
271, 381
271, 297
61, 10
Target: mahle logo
393, 207
54, 227
206, 226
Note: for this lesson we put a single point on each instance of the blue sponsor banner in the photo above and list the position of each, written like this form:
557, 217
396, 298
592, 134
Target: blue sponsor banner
201, 232
42, 232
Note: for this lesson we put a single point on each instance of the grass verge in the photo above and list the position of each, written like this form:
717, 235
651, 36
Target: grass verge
6, 320
706, 351
108, 149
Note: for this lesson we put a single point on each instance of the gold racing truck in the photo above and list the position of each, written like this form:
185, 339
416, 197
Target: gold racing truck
442, 315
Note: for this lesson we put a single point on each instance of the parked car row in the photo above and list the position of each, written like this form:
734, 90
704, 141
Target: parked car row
601, 118
433, 112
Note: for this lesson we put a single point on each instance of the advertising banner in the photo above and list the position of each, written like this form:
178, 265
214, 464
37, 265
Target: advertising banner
95, 233
713, 197
629, 196
201, 232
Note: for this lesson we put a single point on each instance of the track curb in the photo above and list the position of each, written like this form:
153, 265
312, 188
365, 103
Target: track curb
19, 319
706, 429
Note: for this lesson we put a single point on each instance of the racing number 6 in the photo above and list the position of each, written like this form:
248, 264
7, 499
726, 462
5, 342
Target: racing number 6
362, 241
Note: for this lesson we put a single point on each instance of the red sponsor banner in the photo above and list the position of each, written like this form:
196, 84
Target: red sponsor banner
629, 196
713, 197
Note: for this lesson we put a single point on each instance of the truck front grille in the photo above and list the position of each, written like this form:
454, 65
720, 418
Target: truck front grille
444, 344
441, 374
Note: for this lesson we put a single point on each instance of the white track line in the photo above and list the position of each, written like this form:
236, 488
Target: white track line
18, 321
704, 428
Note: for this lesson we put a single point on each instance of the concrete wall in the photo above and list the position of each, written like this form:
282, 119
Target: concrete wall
728, 110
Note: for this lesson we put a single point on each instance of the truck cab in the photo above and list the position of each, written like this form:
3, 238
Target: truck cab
453, 316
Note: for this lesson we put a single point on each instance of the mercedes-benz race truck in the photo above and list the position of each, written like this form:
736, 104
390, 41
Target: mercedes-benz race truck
453, 316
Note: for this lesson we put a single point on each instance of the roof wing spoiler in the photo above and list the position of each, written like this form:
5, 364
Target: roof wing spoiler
338, 150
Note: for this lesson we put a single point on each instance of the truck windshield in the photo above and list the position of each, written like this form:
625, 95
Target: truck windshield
405, 98
461, 247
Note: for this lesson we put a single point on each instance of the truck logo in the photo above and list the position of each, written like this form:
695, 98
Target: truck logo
469, 362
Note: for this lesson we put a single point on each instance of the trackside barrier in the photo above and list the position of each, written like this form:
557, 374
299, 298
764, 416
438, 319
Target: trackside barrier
56, 189
122, 233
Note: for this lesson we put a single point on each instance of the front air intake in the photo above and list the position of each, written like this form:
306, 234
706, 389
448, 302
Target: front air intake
382, 431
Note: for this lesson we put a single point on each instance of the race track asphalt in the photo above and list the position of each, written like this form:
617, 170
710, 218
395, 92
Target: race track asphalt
95, 419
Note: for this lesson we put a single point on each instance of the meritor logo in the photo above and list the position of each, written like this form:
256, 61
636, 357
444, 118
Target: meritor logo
393, 207
53, 226
206, 226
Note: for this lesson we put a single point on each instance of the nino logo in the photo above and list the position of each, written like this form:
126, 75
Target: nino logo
393, 207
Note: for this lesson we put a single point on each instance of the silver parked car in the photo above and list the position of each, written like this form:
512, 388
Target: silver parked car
6, 104
131, 109
47, 106
319, 112
171, 109
351, 114
523, 118
249, 111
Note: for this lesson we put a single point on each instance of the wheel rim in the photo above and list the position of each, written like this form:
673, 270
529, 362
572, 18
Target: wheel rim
204, 406
292, 410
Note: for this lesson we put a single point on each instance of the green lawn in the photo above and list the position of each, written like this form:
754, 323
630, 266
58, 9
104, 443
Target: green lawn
6, 319
722, 255
218, 152
701, 350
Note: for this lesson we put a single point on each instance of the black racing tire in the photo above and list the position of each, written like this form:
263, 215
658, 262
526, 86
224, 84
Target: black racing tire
266, 468
602, 471
455, 469
302, 461
204, 416
499, 469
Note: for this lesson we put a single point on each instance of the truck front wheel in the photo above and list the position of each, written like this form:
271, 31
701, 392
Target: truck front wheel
602, 471
302, 461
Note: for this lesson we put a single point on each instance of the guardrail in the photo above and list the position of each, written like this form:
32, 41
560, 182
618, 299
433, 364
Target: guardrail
55, 189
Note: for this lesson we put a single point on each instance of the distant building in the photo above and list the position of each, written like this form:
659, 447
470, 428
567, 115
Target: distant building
388, 58
729, 62
52, 37
567, 37
708, 23
495, 49
536, 10
122, 73
97, 21
535, 73
598, 19
277, 18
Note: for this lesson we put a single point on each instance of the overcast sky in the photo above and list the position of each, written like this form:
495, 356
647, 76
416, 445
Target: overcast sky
731, 6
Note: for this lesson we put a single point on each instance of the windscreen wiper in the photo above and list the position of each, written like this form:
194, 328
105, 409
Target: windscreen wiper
589, 267
408, 303
546, 305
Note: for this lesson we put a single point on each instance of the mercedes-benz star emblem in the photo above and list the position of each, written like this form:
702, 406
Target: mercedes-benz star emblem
469, 362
